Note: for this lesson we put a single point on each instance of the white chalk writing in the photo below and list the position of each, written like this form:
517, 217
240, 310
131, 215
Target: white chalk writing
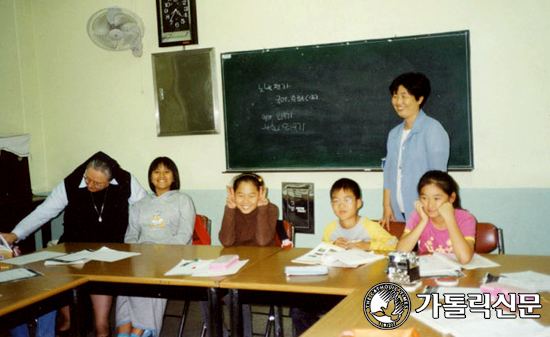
293, 127
263, 87
279, 99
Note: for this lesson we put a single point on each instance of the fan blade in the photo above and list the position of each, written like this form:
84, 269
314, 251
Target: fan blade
112, 13
130, 26
105, 42
122, 18
130, 36
100, 26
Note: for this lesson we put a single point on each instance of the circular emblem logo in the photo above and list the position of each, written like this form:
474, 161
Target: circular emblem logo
387, 306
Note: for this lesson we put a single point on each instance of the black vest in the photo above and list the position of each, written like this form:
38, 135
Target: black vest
81, 220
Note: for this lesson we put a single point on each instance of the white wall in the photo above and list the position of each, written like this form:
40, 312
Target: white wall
76, 98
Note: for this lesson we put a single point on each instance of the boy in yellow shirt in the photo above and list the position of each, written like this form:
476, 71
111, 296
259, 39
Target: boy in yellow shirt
349, 231
352, 230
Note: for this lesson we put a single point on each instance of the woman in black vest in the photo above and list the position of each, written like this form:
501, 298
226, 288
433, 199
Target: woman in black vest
95, 198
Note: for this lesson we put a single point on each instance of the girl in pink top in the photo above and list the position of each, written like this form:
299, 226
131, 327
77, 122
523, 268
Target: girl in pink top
438, 224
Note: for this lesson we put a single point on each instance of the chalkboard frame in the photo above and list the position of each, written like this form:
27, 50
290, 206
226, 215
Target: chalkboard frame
466, 162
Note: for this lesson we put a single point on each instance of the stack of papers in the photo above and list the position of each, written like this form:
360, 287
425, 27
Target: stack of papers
334, 256
201, 268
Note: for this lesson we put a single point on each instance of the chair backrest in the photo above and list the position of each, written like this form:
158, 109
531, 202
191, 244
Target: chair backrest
488, 238
288, 230
201, 234
397, 228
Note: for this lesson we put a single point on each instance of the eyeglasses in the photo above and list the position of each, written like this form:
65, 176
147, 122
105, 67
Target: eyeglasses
347, 201
95, 183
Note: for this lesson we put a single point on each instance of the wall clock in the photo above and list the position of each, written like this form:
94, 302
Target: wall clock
177, 22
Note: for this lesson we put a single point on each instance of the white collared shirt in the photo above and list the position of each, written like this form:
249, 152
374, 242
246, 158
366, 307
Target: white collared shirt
56, 202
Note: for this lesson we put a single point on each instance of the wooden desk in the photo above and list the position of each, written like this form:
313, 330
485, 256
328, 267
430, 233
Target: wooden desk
31, 298
150, 266
143, 275
265, 282
269, 275
348, 314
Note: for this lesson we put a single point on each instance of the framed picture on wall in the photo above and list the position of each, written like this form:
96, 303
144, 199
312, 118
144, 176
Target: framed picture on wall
298, 206
177, 22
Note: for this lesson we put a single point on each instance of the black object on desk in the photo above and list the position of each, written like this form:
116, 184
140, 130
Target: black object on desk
328, 107
16, 198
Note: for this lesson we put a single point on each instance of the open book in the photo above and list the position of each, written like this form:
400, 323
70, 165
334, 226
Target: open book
334, 256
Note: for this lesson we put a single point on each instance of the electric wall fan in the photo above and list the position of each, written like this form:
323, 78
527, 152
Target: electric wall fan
117, 29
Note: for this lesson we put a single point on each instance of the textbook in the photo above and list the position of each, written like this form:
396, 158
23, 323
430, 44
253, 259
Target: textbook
334, 256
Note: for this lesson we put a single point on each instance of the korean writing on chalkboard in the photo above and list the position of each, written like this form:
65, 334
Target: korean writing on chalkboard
281, 122
263, 87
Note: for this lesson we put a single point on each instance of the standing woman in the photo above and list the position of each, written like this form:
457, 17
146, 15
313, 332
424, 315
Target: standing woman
167, 217
418, 145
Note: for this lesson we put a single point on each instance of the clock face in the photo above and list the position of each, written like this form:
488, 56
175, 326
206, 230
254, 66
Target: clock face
177, 22
175, 15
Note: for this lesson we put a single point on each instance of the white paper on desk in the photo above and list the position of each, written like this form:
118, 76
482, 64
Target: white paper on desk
110, 255
528, 280
476, 262
77, 256
437, 265
29, 258
475, 325
17, 274
103, 254
315, 256
351, 258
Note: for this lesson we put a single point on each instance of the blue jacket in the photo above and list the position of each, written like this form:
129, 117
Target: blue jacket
426, 148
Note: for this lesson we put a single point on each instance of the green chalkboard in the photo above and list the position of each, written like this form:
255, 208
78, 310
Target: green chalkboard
327, 107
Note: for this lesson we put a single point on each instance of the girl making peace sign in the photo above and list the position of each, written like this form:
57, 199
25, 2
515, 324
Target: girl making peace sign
249, 218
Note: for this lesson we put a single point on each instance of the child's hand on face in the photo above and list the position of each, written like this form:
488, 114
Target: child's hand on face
263, 200
419, 208
447, 211
230, 197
